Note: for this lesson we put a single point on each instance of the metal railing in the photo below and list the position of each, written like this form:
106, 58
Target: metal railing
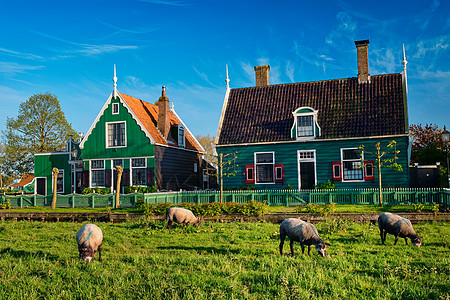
271, 197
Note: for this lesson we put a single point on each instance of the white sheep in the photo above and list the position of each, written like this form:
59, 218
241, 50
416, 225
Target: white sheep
303, 232
399, 227
181, 216
89, 240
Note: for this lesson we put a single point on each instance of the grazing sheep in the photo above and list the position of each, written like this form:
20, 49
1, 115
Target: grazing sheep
181, 216
303, 232
89, 240
399, 227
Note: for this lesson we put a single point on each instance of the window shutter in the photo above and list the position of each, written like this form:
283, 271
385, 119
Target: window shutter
336, 170
125, 177
369, 172
150, 177
85, 178
279, 173
249, 174
107, 178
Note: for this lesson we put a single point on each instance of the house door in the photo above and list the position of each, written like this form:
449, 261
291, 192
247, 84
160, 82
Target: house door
40, 186
306, 169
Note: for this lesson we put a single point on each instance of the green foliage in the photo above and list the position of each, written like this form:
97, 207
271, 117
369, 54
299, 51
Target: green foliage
40, 126
97, 190
6, 205
326, 185
140, 189
322, 210
418, 207
252, 208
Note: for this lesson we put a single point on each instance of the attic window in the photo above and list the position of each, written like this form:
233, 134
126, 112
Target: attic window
305, 125
115, 108
181, 136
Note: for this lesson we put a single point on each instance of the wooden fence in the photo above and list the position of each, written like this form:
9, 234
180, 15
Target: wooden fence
271, 197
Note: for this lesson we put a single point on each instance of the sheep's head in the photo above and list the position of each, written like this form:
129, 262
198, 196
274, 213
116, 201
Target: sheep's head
321, 248
417, 241
86, 254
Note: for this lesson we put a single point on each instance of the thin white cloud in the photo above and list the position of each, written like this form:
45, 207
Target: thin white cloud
345, 29
14, 68
20, 54
290, 71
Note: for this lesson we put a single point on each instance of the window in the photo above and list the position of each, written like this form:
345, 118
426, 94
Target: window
264, 163
351, 165
181, 136
115, 108
97, 173
116, 134
138, 171
305, 124
60, 182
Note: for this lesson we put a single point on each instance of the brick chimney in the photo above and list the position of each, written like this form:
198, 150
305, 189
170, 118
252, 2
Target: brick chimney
262, 75
163, 115
362, 52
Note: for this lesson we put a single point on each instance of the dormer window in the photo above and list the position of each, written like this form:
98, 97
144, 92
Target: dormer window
181, 136
305, 125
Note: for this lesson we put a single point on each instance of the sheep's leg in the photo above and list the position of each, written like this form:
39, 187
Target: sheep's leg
309, 250
291, 244
100, 253
282, 237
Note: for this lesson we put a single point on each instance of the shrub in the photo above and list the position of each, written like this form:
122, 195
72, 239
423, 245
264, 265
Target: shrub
6, 205
140, 189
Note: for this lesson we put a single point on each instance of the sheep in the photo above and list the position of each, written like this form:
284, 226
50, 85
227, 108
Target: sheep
303, 232
399, 227
182, 216
89, 240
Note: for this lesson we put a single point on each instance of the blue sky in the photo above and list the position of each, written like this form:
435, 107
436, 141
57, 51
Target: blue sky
69, 48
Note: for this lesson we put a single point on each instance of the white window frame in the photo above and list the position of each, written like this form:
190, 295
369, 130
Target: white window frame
255, 172
60, 171
307, 159
96, 169
107, 134
141, 167
360, 160
114, 106
312, 112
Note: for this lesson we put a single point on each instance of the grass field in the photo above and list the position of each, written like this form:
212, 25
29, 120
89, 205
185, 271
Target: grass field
143, 260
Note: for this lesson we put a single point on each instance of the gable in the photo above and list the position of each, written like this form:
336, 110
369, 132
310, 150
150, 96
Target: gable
345, 109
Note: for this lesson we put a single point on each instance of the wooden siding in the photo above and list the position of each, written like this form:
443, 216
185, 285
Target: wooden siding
174, 169
43, 165
326, 153
137, 143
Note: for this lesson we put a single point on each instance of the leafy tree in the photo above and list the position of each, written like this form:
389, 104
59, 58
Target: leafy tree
40, 126
428, 148
390, 163
207, 143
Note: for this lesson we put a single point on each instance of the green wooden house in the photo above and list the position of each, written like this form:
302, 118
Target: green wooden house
301, 135
149, 141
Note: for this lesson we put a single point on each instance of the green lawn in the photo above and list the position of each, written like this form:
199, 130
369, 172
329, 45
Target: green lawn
143, 260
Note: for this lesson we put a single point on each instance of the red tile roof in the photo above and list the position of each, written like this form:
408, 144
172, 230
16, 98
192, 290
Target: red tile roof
26, 179
345, 109
147, 114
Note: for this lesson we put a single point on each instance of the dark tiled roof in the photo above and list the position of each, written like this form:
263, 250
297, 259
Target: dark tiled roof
345, 109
